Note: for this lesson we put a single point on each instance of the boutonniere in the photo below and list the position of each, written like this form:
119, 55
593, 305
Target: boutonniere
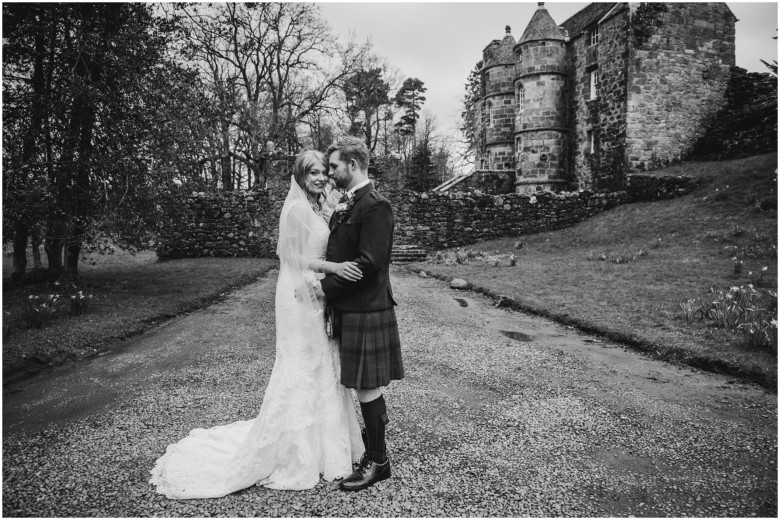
342, 209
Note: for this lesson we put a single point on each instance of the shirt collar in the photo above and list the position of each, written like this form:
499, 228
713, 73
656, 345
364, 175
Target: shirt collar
354, 189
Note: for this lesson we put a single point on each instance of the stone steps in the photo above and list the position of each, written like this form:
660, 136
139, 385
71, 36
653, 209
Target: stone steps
406, 254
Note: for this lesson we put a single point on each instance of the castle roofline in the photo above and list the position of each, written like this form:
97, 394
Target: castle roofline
499, 51
495, 43
542, 27
591, 14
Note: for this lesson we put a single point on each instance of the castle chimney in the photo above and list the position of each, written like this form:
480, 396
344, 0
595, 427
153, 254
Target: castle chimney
508, 30
541, 5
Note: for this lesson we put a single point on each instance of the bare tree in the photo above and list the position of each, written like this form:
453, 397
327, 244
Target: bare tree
270, 67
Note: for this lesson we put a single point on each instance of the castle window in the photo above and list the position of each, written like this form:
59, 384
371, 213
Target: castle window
593, 35
594, 83
490, 114
521, 98
591, 142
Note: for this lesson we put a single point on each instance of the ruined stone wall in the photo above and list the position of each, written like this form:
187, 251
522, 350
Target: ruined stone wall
604, 116
677, 80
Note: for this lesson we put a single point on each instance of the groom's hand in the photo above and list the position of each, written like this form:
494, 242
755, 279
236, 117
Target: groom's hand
303, 290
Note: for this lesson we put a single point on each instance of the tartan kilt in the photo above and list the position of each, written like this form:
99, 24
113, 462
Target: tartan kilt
370, 348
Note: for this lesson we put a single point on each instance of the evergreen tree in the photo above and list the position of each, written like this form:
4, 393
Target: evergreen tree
366, 93
410, 98
470, 99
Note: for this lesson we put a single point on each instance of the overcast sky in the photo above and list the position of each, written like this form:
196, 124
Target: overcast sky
440, 42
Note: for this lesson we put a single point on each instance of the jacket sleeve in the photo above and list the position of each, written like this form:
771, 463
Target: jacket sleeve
376, 230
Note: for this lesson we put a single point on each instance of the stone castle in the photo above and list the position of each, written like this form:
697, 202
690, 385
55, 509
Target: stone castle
617, 88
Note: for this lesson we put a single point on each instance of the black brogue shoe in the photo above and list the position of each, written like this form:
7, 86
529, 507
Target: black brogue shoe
367, 474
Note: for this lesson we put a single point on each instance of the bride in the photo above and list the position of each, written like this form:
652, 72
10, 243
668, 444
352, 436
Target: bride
307, 426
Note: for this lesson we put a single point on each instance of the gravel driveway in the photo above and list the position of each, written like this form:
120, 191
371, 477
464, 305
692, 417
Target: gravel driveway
544, 421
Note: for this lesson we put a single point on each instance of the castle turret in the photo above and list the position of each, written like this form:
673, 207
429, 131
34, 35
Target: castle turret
540, 135
496, 118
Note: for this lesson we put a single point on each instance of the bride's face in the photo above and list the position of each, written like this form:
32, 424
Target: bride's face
316, 180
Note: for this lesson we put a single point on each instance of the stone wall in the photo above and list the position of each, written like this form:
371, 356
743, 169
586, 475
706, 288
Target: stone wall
673, 95
245, 224
442, 220
643, 187
489, 181
228, 224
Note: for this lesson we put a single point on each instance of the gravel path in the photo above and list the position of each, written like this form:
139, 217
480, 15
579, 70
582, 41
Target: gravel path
548, 423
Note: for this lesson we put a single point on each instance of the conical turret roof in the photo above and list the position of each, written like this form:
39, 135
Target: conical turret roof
500, 51
541, 27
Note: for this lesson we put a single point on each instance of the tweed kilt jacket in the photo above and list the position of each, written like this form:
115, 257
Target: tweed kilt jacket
365, 237
364, 316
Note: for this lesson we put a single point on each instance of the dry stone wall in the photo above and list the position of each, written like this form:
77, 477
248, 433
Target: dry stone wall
443, 220
245, 224
227, 224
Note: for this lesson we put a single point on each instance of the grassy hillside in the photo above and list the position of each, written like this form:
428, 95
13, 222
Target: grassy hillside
673, 250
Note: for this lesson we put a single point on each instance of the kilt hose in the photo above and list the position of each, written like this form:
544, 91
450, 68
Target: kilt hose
370, 348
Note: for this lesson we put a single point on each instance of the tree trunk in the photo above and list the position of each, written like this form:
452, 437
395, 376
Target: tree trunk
73, 252
227, 174
36, 240
54, 245
21, 233
367, 130
255, 163
225, 161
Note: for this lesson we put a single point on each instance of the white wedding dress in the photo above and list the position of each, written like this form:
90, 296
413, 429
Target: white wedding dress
307, 426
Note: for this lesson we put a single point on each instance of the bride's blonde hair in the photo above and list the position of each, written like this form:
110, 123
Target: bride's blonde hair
305, 162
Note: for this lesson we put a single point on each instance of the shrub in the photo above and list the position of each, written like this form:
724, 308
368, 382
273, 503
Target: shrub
693, 308
742, 309
757, 278
79, 303
38, 311
738, 265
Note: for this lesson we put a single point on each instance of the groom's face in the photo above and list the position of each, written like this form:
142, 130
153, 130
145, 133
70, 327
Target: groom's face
339, 170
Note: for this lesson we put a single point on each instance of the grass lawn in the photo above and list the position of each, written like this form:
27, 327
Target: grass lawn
131, 293
689, 244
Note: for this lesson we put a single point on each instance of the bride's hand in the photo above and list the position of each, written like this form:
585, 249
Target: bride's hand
349, 271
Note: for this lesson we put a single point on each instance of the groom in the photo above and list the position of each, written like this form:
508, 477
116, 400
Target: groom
363, 314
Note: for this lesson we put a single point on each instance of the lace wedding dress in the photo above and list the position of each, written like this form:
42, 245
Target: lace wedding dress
307, 426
